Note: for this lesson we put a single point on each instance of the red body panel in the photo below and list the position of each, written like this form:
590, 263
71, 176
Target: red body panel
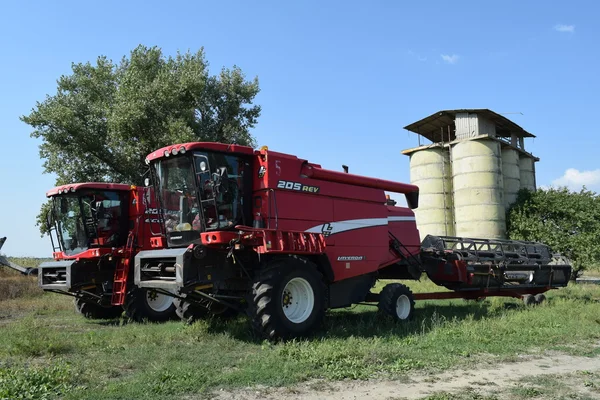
353, 216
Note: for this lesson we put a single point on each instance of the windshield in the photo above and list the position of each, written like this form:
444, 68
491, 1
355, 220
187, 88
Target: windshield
90, 219
200, 192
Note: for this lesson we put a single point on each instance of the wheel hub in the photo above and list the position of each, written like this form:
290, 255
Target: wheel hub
158, 301
298, 300
287, 298
403, 307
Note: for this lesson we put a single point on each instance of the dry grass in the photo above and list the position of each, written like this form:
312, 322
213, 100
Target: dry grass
14, 285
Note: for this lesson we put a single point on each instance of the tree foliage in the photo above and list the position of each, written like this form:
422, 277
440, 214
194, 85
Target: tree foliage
569, 222
105, 118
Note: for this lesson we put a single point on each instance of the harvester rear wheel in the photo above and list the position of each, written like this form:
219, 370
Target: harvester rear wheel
95, 311
528, 300
288, 300
146, 304
397, 301
540, 298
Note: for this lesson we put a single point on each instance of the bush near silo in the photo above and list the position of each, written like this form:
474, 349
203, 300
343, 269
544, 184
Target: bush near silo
567, 221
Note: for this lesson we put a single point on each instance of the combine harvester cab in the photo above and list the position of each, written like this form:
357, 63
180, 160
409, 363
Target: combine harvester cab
95, 230
282, 240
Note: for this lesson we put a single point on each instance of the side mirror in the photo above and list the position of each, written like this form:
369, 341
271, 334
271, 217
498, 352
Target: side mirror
48, 220
147, 197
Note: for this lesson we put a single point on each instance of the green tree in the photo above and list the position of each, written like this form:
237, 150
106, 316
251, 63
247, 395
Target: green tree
569, 222
105, 118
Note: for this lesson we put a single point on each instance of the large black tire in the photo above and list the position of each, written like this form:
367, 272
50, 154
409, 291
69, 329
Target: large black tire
95, 311
297, 284
139, 307
397, 301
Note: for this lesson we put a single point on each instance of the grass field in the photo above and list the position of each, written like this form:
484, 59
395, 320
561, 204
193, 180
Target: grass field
47, 350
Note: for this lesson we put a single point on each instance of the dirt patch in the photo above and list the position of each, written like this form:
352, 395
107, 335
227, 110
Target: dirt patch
485, 379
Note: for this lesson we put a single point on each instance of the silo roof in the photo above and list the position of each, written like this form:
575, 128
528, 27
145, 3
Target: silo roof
429, 127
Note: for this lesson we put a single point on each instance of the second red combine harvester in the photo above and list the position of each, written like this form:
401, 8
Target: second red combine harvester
98, 228
283, 240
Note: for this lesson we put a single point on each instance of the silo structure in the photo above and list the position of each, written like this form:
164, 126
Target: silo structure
478, 189
527, 171
430, 170
511, 171
488, 166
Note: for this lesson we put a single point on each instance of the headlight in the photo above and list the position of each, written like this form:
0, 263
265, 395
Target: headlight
167, 154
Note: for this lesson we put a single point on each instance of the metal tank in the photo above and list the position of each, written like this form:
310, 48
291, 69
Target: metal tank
527, 171
430, 170
511, 175
478, 189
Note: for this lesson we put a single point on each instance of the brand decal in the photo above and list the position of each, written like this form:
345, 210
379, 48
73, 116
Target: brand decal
326, 230
351, 258
176, 237
262, 171
154, 212
297, 186
332, 228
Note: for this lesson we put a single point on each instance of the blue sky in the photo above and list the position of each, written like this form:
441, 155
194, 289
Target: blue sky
339, 79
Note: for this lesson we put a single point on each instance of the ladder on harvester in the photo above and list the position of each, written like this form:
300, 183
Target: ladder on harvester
122, 273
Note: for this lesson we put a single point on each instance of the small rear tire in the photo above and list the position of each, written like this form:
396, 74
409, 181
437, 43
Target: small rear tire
96, 311
540, 298
529, 300
397, 301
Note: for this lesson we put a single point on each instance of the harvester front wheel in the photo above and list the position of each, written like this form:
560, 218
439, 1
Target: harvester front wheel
397, 301
189, 312
95, 311
146, 304
288, 300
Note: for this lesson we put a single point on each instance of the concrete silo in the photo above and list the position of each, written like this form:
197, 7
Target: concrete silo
430, 170
478, 189
527, 171
470, 173
511, 171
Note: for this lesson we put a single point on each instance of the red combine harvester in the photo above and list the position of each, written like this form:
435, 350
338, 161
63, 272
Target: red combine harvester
284, 240
99, 227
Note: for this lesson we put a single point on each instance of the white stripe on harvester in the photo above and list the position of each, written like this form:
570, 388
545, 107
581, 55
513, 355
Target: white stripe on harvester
351, 224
